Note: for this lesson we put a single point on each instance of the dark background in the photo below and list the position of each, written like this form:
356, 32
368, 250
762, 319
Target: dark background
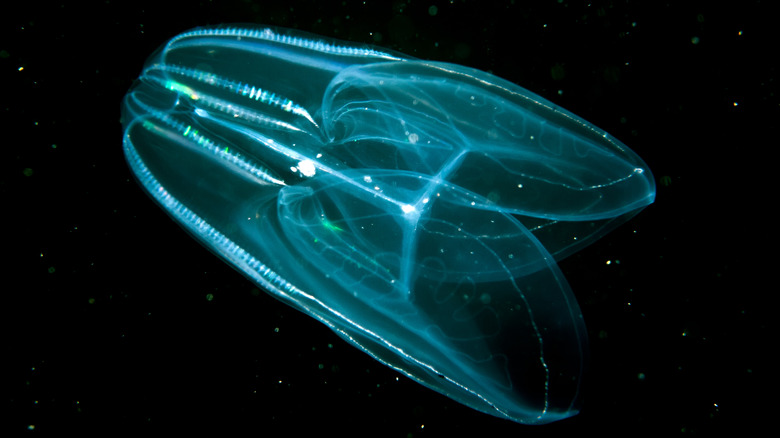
114, 319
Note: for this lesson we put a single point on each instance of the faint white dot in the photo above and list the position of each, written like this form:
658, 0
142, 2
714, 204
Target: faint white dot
306, 167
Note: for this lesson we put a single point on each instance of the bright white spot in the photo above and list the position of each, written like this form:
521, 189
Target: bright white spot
201, 112
367, 179
306, 167
407, 208
413, 138
425, 201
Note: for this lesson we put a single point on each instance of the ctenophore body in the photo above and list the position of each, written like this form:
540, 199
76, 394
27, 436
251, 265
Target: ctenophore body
416, 208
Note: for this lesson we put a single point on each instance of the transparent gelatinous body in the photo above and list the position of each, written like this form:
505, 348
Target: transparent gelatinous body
416, 208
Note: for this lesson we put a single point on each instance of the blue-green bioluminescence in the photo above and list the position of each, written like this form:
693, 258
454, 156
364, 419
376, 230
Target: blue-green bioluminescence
416, 208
